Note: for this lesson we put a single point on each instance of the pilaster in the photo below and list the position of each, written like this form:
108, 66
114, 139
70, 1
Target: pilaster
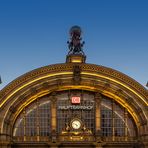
53, 117
98, 116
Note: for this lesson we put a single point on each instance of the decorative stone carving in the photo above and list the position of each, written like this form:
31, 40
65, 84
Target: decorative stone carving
76, 75
119, 92
54, 136
45, 85
12, 109
53, 98
33, 91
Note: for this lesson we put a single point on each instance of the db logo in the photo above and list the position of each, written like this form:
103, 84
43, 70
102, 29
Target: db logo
75, 100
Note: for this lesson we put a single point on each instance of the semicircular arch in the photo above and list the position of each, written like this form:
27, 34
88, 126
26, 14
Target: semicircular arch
39, 82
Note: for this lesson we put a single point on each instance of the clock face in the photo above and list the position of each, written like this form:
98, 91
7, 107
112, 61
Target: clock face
76, 124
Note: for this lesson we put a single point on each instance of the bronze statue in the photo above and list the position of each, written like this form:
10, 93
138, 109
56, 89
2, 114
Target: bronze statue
75, 45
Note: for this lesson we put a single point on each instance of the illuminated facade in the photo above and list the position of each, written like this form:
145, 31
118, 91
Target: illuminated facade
74, 104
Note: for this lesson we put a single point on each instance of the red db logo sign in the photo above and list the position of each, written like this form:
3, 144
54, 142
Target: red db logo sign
75, 100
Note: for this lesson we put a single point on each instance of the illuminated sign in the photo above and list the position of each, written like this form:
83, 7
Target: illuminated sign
75, 100
75, 107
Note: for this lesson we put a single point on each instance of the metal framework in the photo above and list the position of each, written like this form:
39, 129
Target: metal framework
34, 123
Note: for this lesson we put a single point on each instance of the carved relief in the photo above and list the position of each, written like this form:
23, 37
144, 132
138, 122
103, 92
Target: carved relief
76, 75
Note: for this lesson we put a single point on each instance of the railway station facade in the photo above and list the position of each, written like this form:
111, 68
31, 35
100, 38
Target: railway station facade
74, 104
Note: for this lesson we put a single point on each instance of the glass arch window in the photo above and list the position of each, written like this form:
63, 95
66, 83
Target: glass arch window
115, 120
34, 120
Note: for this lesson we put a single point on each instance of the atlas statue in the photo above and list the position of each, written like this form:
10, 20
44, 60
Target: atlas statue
75, 45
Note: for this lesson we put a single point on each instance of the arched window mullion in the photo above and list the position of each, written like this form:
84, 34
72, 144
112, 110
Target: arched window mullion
24, 123
37, 119
125, 124
113, 121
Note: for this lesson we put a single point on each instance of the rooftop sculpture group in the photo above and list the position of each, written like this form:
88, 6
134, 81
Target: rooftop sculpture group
75, 45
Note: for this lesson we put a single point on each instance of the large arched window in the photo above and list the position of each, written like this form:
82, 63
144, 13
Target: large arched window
34, 120
115, 120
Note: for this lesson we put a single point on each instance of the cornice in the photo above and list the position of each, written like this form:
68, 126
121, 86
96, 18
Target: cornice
112, 83
57, 68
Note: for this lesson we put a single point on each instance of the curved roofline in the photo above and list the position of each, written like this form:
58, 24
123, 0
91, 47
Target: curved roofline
13, 92
88, 66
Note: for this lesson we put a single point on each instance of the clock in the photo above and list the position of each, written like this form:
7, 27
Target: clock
76, 124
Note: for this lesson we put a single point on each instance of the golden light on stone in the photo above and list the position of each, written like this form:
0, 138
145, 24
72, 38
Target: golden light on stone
46, 93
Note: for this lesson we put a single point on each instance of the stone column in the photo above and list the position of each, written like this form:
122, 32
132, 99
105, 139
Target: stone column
98, 116
53, 117
125, 120
24, 123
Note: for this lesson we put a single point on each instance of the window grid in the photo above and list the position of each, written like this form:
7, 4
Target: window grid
65, 116
113, 119
37, 115
35, 120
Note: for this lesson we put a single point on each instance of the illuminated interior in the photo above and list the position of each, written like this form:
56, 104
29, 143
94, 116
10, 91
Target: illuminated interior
35, 119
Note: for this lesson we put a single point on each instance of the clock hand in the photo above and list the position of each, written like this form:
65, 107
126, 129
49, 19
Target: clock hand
75, 124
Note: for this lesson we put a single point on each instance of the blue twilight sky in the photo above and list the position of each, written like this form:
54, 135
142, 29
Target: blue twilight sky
34, 33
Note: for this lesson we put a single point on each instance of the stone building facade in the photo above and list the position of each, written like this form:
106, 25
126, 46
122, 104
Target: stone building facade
74, 104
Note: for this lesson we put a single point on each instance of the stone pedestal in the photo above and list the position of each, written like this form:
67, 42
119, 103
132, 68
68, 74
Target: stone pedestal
75, 58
